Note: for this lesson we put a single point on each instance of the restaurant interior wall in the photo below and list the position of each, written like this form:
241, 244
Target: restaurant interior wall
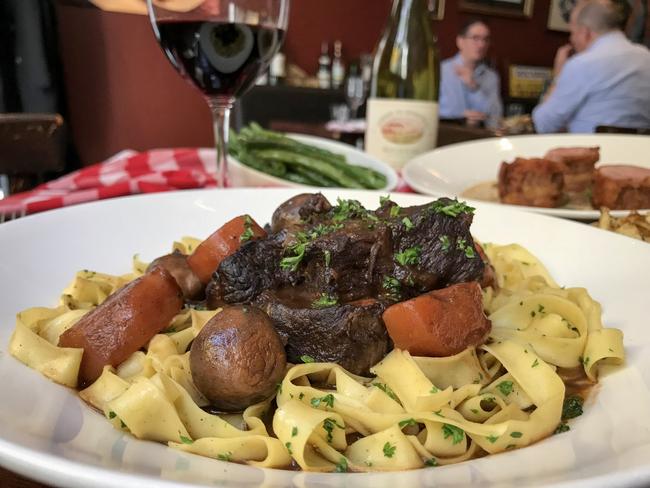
122, 92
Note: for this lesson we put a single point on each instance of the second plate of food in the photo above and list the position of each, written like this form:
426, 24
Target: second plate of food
474, 166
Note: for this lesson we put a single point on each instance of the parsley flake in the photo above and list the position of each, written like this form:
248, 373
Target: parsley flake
431, 462
247, 235
288, 446
407, 422
409, 256
186, 440
324, 301
294, 432
456, 433
516, 435
407, 223
112, 415
342, 466
225, 456
492, 438
386, 389
389, 450
395, 210
572, 407
327, 400
562, 427
446, 242
452, 209
505, 387
392, 286
535, 364
434, 389
306, 359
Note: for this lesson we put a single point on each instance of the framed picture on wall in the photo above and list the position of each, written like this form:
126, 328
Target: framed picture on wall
559, 14
508, 8
437, 9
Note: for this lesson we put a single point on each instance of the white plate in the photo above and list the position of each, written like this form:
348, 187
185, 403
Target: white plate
48, 433
245, 176
452, 169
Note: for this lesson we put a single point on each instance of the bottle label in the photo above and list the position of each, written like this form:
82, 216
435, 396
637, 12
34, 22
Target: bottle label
398, 130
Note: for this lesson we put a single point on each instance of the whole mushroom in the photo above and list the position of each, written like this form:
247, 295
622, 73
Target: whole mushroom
237, 359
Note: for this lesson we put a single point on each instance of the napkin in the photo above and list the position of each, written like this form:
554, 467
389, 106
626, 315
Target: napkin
127, 173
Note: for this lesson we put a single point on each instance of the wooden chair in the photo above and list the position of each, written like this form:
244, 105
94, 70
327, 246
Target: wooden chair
32, 147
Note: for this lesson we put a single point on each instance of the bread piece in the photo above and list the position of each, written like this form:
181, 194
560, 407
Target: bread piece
532, 182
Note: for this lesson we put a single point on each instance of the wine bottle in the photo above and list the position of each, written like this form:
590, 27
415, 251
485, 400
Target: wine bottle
402, 113
338, 68
324, 75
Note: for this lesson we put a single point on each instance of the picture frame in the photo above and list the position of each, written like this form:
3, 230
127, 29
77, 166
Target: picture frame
437, 9
559, 14
506, 8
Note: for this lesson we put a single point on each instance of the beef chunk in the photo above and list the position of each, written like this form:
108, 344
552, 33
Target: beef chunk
353, 253
534, 182
352, 335
621, 187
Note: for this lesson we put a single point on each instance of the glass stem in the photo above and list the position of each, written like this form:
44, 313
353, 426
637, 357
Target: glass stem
221, 122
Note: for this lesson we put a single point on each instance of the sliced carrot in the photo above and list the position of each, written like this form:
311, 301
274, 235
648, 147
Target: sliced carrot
124, 323
222, 243
439, 323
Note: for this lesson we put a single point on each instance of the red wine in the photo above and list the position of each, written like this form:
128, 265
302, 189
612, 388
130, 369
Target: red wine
221, 59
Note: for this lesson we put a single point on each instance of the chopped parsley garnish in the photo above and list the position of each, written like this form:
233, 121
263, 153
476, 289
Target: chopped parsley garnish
386, 389
347, 209
431, 462
292, 262
409, 256
457, 434
505, 387
562, 427
434, 389
392, 286
278, 388
294, 432
306, 359
540, 308
225, 456
324, 301
112, 415
572, 407
535, 364
407, 223
395, 210
122, 424
446, 242
327, 400
474, 411
248, 229
461, 244
288, 446
301, 396
510, 446
407, 422
453, 209
186, 440
438, 413
342, 466
516, 435
328, 257
328, 425
384, 200
389, 450
492, 438
532, 313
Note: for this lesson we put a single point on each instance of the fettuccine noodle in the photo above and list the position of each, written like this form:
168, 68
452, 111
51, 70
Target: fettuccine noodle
416, 411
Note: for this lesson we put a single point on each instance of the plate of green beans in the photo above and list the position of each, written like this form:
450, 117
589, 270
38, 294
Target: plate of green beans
260, 157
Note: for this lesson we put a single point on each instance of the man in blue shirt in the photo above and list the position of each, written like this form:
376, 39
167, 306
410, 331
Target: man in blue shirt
468, 88
607, 81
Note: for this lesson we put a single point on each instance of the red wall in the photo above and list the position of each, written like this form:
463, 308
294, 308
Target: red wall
359, 23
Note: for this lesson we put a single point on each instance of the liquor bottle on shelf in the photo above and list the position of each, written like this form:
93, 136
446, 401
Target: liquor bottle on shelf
324, 73
338, 68
402, 112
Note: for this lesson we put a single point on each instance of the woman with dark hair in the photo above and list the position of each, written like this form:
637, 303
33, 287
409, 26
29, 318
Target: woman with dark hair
469, 89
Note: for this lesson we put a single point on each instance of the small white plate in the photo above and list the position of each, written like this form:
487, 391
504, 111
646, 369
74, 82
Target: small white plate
451, 170
243, 176
48, 433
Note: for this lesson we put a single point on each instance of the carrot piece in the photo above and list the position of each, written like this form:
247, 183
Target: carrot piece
439, 323
124, 323
222, 243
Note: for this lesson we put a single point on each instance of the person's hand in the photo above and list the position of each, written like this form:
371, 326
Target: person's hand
563, 53
473, 117
467, 76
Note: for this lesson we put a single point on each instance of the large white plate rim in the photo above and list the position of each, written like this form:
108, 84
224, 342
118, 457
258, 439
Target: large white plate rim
67, 473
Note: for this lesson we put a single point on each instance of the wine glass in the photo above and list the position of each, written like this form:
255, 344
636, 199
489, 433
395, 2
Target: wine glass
221, 47
355, 91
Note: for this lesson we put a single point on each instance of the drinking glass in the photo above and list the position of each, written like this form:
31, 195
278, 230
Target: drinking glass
355, 91
221, 47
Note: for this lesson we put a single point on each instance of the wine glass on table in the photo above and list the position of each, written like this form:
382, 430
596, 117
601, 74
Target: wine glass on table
355, 91
221, 47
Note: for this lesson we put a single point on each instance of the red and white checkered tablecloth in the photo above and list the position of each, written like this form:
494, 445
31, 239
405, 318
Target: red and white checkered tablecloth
127, 173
